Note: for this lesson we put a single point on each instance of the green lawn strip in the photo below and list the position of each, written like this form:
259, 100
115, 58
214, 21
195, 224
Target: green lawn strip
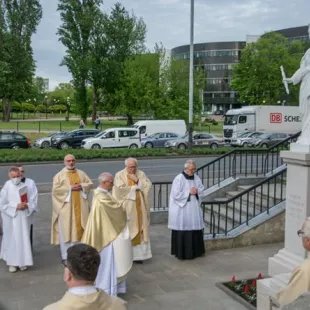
34, 155
57, 125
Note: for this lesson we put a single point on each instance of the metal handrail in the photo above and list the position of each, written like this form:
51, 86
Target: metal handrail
244, 200
247, 190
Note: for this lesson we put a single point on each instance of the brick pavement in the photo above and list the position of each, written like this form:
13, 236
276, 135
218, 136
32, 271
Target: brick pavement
160, 283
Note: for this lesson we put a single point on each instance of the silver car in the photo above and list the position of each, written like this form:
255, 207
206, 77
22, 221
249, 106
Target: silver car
245, 139
200, 139
45, 142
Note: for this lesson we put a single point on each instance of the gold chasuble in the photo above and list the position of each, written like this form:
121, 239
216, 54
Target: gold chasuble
70, 208
137, 239
138, 211
74, 178
106, 221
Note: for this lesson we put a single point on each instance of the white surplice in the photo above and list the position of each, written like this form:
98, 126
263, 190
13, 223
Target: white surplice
184, 210
15, 247
33, 193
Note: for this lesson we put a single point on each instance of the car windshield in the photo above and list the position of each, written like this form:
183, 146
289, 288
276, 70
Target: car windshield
244, 135
265, 135
153, 135
256, 134
230, 119
100, 134
184, 137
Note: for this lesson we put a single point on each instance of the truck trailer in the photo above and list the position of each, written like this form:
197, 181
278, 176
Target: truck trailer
263, 118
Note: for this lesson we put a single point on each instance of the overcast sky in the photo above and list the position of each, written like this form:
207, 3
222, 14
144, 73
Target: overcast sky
168, 22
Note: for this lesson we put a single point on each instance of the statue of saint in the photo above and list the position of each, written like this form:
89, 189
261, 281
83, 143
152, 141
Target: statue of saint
303, 75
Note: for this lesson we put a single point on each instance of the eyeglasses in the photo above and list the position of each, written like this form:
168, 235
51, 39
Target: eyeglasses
300, 233
64, 263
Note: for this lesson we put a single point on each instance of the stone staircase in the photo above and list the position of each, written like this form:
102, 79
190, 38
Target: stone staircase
225, 213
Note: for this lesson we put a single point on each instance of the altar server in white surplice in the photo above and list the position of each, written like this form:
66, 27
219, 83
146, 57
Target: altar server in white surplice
107, 231
185, 214
16, 205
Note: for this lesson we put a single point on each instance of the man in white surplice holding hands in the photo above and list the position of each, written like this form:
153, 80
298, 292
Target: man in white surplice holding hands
185, 214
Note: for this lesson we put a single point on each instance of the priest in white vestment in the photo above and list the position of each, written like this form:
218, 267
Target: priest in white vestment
32, 189
70, 197
16, 205
107, 231
138, 211
185, 217
299, 282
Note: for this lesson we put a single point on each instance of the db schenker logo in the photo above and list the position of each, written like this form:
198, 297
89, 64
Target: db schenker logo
275, 117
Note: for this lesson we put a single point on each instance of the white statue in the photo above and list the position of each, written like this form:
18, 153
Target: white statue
303, 75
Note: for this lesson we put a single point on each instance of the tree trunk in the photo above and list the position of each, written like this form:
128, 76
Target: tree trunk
94, 103
129, 120
6, 109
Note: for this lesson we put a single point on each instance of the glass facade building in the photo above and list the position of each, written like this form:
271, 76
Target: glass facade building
216, 59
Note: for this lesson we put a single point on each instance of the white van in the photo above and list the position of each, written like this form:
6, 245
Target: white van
147, 128
114, 137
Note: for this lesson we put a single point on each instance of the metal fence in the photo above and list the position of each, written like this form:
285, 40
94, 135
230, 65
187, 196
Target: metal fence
245, 162
160, 196
223, 216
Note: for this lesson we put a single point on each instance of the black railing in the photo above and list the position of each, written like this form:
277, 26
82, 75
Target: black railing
245, 162
223, 216
160, 196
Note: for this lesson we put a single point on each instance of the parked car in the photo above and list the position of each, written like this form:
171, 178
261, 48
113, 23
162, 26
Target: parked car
114, 137
245, 138
46, 142
158, 139
269, 139
199, 140
13, 140
219, 112
73, 138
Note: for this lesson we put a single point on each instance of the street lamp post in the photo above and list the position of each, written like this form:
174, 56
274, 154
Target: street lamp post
191, 78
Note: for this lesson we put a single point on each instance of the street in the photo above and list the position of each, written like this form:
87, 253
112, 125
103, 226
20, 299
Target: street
158, 170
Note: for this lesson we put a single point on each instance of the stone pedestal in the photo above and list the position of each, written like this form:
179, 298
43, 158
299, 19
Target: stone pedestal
297, 210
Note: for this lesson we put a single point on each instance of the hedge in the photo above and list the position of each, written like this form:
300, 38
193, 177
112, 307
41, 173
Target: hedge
37, 155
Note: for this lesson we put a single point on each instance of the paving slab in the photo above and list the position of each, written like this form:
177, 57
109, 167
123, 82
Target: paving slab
162, 282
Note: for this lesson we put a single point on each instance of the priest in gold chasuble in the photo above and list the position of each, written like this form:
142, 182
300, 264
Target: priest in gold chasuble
70, 205
107, 231
138, 211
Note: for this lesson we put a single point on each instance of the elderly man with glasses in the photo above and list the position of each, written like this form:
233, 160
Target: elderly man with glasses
300, 280
107, 231
185, 214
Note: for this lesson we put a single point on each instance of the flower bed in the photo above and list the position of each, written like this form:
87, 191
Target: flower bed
245, 290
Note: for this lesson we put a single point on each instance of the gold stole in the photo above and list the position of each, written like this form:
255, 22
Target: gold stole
137, 239
74, 178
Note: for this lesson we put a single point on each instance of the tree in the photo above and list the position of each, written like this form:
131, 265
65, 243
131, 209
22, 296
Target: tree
78, 21
18, 22
173, 88
125, 37
137, 91
257, 78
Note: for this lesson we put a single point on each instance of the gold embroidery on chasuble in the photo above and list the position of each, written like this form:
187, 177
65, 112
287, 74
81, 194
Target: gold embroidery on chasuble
137, 239
74, 178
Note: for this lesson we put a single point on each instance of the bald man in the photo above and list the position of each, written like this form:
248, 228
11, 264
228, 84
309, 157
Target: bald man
300, 279
138, 211
70, 197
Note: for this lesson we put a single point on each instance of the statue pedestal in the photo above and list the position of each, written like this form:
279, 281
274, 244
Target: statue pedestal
297, 210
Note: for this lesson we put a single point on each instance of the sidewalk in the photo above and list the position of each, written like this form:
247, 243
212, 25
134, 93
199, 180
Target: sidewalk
162, 283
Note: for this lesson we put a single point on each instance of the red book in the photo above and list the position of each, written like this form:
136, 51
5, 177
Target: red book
23, 193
